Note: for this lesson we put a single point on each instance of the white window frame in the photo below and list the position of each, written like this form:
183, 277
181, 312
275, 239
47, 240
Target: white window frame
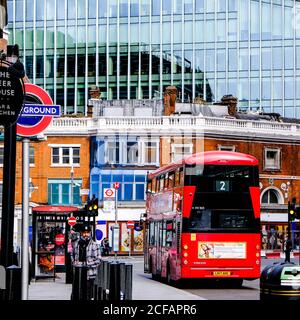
178, 145
278, 193
138, 151
222, 147
106, 157
61, 147
143, 150
277, 160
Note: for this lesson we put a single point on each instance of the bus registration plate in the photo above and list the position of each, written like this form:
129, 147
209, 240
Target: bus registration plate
221, 273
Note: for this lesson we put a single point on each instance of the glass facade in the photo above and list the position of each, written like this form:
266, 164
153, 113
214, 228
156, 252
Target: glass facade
133, 49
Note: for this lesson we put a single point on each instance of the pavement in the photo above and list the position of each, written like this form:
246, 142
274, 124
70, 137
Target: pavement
143, 287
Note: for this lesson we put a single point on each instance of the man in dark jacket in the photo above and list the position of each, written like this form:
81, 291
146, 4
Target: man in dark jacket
86, 252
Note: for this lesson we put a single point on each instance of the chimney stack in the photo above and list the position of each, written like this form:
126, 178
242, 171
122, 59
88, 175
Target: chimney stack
231, 102
170, 97
95, 94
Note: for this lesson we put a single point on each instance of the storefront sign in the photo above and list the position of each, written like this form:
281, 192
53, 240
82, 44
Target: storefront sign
11, 97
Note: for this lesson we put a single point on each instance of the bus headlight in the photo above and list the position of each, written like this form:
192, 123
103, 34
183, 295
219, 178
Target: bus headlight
185, 254
257, 261
185, 262
185, 247
257, 254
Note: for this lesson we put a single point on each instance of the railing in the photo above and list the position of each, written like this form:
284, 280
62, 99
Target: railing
168, 124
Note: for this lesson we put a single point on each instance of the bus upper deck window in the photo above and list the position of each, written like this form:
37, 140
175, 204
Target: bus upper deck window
177, 178
171, 179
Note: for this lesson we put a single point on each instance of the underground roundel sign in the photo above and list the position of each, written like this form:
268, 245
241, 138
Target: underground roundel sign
32, 125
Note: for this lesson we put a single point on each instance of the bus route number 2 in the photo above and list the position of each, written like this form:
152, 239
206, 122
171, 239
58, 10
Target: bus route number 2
222, 186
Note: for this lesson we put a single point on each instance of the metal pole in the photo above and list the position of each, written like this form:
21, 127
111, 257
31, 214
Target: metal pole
130, 235
72, 184
116, 215
25, 220
8, 196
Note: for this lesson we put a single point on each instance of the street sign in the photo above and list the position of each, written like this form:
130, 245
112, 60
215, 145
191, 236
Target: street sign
72, 221
84, 192
36, 119
116, 185
59, 239
109, 193
130, 224
11, 96
108, 205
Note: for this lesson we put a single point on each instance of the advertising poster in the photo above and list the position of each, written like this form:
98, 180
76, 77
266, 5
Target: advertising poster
125, 238
138, 241
222, 250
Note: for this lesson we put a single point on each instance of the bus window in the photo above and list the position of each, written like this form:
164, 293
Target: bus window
164, 234
161, 183
153, 184
177, 178
169, 233
166, 181
157, 185
171, 179
149, 186
181, 174
151, 233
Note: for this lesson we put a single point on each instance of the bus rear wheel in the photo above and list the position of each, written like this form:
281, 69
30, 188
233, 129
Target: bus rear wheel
168, 278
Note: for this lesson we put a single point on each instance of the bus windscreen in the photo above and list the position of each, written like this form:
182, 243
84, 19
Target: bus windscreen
222, 200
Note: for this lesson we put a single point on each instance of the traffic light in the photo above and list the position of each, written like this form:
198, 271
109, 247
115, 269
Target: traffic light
92, 206
292, 211
298, 213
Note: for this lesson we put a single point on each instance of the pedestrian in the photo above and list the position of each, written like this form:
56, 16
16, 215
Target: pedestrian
272, 241
288, 248
87, 252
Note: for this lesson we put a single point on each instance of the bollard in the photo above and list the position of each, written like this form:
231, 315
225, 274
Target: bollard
128, 284
13, 283
2, 283
79, 286
122, 281
114, 281
69, 269
280, 281
106, 280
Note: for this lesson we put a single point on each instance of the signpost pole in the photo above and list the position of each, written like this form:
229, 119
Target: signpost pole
25, 220
116, 214
8, 197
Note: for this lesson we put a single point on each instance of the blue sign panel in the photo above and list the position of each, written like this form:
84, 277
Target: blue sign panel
41, 110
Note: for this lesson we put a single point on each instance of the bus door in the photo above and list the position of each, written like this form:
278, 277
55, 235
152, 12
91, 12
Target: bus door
146, 246
159, 229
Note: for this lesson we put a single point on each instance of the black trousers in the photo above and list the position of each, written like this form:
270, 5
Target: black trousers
90, 288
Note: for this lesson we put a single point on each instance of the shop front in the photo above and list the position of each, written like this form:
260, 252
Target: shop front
52, 237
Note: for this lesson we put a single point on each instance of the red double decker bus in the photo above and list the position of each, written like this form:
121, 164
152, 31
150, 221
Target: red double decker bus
203, 218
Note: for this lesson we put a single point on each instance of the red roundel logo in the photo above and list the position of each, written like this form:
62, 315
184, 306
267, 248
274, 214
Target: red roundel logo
32, 126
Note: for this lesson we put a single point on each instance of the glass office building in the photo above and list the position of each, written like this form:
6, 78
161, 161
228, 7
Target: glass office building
133, 49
